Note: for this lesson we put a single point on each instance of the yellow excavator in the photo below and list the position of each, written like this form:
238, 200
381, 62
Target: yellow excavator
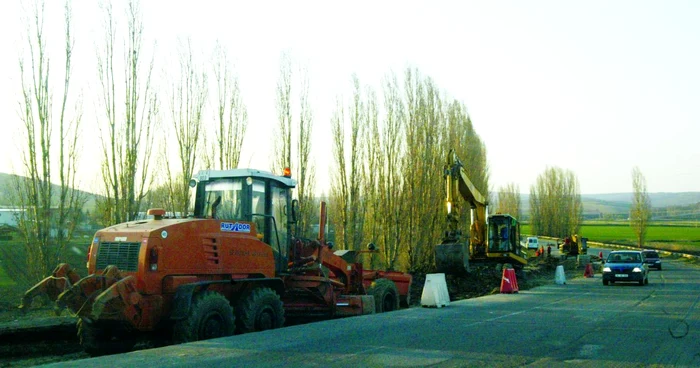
574, 245
493, 239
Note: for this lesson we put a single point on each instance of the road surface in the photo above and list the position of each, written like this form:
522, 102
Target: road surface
582, 323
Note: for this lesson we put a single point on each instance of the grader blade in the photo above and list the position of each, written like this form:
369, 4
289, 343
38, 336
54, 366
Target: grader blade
62, 278
80, 297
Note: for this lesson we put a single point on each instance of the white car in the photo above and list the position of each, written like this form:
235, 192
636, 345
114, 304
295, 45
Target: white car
532, 242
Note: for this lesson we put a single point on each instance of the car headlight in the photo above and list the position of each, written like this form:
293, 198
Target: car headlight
606, 269
637, 269
657, 262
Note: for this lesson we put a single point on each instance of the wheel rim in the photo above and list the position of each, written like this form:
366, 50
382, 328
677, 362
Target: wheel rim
265, 319
212, 326
388, 303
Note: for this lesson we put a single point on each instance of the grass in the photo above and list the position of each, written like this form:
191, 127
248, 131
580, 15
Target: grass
5, 280
671, 236
14, 278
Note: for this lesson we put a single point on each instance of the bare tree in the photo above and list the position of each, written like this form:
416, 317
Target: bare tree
555, 203
231, 112
391, 209
348, 181
509, 200
425, 156
49, 218
127, 135
283, 138
340, 185
640, 212
293, 143
305, 170
187, 101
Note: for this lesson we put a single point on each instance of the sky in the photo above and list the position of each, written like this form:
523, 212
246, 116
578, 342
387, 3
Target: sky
595, 87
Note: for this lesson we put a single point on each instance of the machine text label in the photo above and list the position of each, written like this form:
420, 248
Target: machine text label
236, 228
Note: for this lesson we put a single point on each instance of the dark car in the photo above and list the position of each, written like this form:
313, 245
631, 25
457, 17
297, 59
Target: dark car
652, 258
627, 266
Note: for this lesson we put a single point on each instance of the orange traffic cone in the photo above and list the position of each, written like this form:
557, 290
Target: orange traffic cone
589, 271
509, 283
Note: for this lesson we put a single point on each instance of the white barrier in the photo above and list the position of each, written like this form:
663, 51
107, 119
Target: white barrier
435, 292
560, 276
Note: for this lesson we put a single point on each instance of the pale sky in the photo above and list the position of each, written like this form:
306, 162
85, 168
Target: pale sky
596, 87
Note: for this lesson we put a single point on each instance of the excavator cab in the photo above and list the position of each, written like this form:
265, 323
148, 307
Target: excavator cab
504, 234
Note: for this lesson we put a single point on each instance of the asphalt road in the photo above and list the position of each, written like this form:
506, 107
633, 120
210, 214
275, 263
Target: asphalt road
582, 323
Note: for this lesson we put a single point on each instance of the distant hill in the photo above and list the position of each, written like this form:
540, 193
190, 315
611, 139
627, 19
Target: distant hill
619, 203
6, 184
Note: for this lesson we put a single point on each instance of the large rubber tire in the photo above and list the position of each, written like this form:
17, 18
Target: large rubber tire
98, 341
258, 310
386, 295
211, 316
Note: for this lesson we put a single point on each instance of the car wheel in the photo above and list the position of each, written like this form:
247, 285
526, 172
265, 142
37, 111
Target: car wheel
641, 282
646, 281
605, 282
659, 267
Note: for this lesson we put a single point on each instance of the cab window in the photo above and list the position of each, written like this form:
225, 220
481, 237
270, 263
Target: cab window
224, 199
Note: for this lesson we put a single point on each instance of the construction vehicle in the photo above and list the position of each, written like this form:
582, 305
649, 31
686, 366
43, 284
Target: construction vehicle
235, 266
574, 246
493, 239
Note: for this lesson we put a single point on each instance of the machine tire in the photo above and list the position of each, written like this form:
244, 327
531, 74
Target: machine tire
211, 316
386, 295
98, 341
405, 302
258, 310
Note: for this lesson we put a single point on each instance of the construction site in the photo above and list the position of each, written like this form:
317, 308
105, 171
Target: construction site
236, 267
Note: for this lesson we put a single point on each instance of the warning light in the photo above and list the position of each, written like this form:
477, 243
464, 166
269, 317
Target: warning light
287, 172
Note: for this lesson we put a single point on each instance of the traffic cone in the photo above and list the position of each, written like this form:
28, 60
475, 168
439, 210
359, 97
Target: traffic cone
589, 271
509, 283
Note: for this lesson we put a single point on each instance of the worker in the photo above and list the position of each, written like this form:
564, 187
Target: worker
503, 245
541, 250
549, 250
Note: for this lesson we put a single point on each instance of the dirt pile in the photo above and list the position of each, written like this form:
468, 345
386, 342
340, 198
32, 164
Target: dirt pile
487, 280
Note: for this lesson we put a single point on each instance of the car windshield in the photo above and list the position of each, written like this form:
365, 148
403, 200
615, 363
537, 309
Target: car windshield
651, 254
624, 257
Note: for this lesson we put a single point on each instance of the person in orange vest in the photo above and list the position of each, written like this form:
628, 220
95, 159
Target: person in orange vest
541, 250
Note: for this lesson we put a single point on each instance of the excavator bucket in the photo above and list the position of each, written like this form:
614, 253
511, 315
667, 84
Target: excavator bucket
452, 258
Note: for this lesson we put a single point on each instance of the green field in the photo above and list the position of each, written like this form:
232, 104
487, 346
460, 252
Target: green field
675, 236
